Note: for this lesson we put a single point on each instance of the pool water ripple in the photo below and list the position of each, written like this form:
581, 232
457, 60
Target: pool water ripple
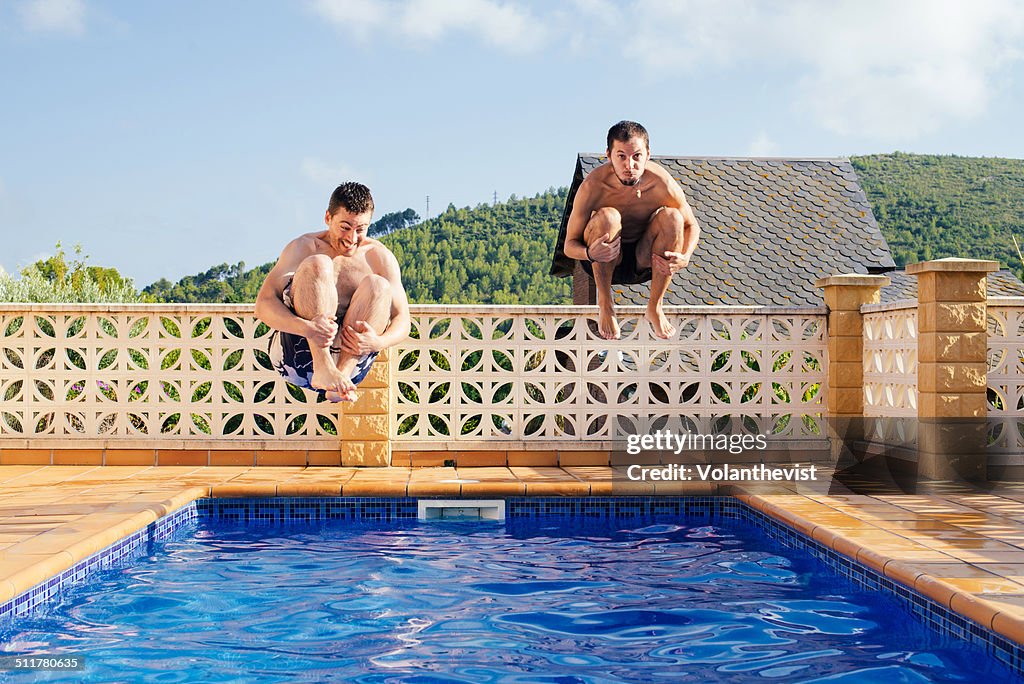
529, 602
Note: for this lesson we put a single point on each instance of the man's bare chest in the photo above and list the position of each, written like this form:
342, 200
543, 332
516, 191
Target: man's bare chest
636, 214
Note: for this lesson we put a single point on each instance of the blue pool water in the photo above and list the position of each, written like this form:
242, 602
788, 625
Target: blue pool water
530, 601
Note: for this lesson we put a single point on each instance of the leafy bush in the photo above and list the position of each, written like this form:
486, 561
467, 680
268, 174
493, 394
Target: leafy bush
57, 280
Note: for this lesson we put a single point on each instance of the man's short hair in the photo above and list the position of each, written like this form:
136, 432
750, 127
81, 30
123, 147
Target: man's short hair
355, 197
624, 131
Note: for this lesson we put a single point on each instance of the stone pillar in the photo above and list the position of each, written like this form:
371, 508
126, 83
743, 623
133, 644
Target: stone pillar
952, 370
365, 430
844, 295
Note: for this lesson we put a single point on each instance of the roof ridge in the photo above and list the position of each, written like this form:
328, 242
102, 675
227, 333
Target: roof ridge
725, 158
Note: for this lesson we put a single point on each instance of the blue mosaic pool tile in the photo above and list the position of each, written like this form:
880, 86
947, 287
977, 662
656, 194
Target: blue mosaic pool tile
294, 509
620, 506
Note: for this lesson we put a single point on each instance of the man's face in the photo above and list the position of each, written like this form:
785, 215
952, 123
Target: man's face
629, 159
348, 229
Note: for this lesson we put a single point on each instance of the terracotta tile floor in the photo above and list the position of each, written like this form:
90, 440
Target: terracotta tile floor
965, 550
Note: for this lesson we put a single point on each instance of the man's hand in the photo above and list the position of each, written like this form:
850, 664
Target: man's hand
360, 339
605, 250
670, 263
322, 331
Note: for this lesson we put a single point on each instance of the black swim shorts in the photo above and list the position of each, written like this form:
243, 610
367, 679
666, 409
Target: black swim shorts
292, 359
627, 272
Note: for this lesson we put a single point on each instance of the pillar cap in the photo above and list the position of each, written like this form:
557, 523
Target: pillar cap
853, 280
953, 265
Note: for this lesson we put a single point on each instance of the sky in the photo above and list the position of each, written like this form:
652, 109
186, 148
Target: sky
169, 137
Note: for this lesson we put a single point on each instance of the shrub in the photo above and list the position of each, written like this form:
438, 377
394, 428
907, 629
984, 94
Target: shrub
57, 280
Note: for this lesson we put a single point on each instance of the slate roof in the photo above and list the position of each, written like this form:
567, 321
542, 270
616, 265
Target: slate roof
769, 229
1003, 283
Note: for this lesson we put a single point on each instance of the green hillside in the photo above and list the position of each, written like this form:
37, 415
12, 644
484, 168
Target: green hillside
486, 255
927, 206
931, 207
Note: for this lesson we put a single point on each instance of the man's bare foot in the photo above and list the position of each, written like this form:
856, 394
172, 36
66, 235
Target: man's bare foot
347, 391
330, 379
338, 396
607, 326
659, 323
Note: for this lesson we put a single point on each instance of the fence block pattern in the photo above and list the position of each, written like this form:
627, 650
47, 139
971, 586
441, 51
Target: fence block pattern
890, 360
145, 373
198, 377
512, 375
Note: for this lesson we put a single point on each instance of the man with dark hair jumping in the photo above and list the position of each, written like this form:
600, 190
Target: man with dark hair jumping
630, 223
335, 299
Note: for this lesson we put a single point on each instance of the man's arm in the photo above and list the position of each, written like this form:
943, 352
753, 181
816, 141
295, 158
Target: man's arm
398, 330
671, 262
691, 232
575, 247
270, 306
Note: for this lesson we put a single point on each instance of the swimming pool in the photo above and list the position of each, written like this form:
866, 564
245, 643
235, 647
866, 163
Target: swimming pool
626, 589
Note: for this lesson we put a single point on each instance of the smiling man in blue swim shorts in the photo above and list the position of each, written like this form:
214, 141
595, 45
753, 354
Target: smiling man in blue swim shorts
335, 299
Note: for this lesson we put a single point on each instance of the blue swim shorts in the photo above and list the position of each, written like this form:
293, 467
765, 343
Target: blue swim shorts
292, 359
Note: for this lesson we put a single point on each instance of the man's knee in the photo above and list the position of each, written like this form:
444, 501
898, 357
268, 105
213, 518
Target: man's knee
604, 221
316, 266
312, 290
669, 221
376, 286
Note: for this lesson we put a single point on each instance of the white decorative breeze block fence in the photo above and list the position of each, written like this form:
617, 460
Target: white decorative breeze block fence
890, 359
1006, 356
543, 376
1006, 374
890, 372
173, 376
148, 375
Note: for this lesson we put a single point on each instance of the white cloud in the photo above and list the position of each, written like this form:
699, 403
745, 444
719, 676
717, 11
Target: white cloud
504, 25
327, 174
926, 63
360, 17
676, 35
879, 69
763, 146
57, 16
891, 71
585, 18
